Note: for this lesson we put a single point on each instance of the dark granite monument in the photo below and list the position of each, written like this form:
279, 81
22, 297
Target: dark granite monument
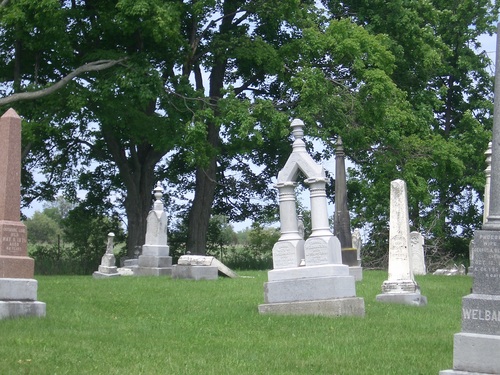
476, 349
342, 220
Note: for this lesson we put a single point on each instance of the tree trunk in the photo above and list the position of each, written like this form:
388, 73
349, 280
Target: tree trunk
206, 176
199, 216
137, 174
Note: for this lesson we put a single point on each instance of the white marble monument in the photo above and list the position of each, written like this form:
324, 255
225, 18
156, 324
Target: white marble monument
108, 261
155, 259
400, 287
307, 277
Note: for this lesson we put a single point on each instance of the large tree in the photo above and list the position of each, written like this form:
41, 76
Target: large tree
440, 152
205, 95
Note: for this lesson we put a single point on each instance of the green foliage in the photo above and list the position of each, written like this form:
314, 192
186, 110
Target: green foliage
256, 251
204, 99
42, 228
64, 239
88, 232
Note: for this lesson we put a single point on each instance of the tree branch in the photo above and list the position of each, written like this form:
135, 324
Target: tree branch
89, 67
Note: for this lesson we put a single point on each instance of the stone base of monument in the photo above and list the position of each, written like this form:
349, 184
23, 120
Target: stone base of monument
18, 298
475, 353
130, 263
154, 261
105, 272
200, 267
350, 257
352, 306
357, 272
405, 292
317, 290
195, 272
476, 348
154, 266
415, 299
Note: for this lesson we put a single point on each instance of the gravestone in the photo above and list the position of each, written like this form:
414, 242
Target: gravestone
476, 348
155, 259
357, 243
342, 219
307, 277
18, 289
200, 267
417, 253
108, 261
400, 287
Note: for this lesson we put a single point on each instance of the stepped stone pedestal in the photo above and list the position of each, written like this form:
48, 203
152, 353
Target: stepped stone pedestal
18, 289
476, 348
155, 259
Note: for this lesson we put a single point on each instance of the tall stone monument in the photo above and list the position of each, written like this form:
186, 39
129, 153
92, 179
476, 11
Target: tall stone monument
400, 287
476, 348
18, 289
308, 277
342, 220
155, 259
108, 261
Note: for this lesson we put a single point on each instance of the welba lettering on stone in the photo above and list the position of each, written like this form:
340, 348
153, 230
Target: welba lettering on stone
479, 314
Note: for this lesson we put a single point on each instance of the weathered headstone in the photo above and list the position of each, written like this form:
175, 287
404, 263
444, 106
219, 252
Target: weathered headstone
357, 243
155, 259
18, 289
476, 348
342, 219
108, 261
307, 278
200, 267
417, 253
400, 287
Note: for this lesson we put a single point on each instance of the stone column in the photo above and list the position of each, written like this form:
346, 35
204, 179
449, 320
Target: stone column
14, 260
319, 209
288, 211
493, 221
487, 173
342, 220
18, 289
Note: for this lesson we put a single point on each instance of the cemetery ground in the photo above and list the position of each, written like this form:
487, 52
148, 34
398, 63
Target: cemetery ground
158, 325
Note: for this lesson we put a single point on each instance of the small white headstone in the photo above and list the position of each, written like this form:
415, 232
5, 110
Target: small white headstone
417, 253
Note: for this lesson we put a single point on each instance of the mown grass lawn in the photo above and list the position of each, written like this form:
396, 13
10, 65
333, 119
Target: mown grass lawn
157, 325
